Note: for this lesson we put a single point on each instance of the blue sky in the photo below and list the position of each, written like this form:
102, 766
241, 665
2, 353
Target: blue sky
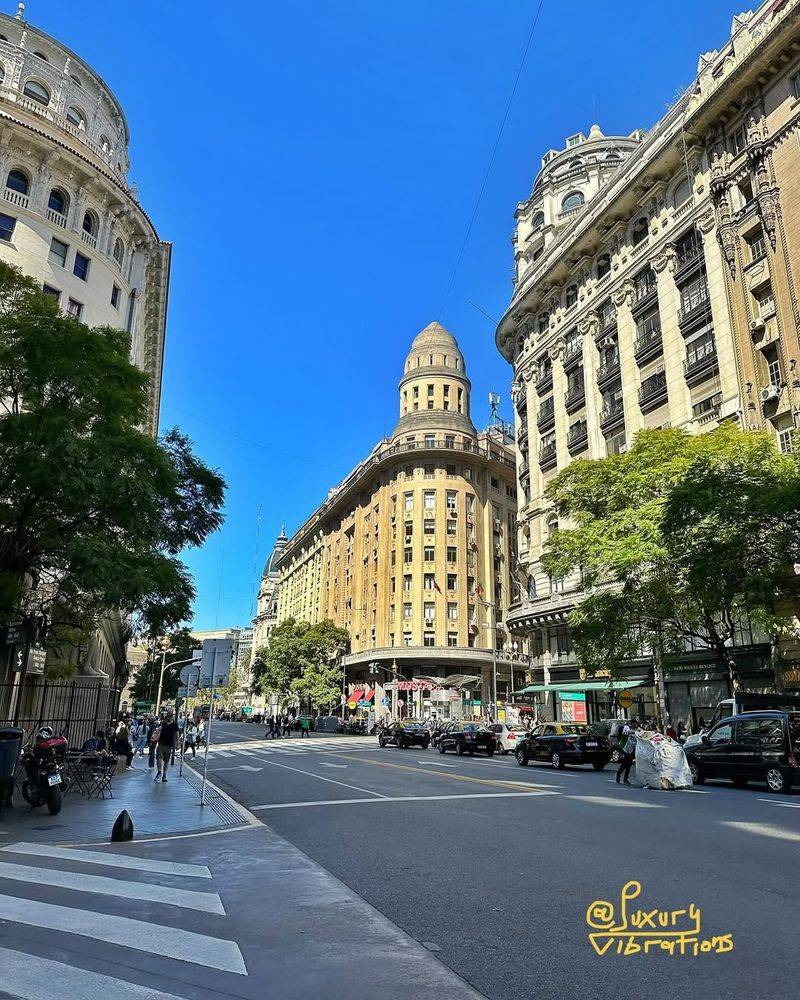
316, 165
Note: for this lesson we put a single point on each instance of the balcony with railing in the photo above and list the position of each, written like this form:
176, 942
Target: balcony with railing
653, 392
612, 416
573, 352
648, 344
547, 414
577, 437
524, 468
544, 380
547, 456
645, 293
608, 371
15, 197
56, 218
696, 308
688, 260
575, 396
701, 363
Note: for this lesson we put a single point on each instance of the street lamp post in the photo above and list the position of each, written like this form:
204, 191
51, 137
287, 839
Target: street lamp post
493, 626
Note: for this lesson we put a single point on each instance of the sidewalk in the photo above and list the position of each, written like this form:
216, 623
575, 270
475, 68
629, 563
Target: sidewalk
156, 808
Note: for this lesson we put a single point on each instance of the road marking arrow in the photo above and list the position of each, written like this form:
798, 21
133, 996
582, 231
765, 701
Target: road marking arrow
249, 767
435, 763
340, 766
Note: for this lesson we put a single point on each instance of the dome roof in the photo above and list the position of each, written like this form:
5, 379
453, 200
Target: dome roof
434, 335
278, 547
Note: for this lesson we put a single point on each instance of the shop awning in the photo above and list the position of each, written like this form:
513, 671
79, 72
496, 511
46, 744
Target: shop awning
357, 695
615, 685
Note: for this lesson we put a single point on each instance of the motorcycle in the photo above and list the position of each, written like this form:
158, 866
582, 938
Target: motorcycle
41, 764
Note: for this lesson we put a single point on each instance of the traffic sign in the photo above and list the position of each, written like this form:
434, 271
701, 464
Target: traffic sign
183, 692
625, 699
385, 702
190, 675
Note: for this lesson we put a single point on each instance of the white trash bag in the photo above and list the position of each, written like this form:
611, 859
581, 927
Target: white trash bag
661, 762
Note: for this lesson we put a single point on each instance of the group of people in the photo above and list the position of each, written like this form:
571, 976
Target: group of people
279, 726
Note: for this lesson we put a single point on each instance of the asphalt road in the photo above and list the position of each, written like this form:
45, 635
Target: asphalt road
493, 866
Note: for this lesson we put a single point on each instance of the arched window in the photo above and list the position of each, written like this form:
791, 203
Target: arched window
572, 296
58, 201
639, 231
18, 181
77, 117
552, 524
538, 220
41, 55
573, 200
683, 192
603, 265
90, 223
37, 92
76, 81
544, 320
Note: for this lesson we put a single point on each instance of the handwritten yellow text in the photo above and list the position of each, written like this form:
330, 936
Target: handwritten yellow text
626, 930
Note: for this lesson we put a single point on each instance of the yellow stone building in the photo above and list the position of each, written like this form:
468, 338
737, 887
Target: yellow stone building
656, 285
413, 552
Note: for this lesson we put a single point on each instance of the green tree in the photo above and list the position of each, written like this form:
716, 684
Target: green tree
681, 539
302, 659
93, 511
180, 645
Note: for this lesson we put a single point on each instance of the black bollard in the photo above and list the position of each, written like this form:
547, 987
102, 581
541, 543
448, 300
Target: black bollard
123, 827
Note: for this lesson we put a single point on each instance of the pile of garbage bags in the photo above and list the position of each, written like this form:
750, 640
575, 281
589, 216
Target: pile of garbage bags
661, 762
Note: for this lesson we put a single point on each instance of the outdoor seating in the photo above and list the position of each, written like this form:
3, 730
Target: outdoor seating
91, 773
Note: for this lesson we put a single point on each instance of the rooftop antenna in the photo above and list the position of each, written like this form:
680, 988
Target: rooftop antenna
20, 11
494, 403
255, 563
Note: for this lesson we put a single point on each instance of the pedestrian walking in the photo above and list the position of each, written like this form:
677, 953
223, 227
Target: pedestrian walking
167, 741
628, 747
305, 726
287, 726
191, 738
122, 744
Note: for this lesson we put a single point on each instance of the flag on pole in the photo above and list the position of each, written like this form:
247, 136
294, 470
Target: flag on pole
478, 591
436, 587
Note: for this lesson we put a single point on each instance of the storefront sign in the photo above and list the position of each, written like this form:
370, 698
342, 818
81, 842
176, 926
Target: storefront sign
625, 699
573, 706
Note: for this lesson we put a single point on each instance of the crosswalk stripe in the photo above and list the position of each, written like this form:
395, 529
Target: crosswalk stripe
140, 935
32, 978
206, 902
109, 860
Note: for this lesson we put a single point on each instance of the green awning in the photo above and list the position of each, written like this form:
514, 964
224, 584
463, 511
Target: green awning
615, 685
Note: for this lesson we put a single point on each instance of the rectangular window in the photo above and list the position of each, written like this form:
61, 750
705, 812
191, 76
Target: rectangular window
451, 527
452, 638
391, 612
451, 581
49, 290
393, 557
429, 499
428, 553
427, 581
429, 527
449, 440
470, 503
766, 302
74, 309
452, 553
756, 245
430, 440
58, 252
451, 471
786, 440
408, 555
430, 471
460, 399
452, 499
407, 583
429, 611
428, 639
409, 501
416, 392
406, 640
452, 611
115, 294
694, 294
494, 483
81, 267
738, 140
794, 83
7, 224
406, 611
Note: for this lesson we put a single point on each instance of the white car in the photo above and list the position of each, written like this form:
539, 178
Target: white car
507, 737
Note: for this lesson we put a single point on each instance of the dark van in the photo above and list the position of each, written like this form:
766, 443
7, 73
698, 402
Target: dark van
752, 746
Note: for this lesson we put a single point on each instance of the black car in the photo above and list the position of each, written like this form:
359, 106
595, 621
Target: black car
404, 735
562, 743
467, 737
752, 746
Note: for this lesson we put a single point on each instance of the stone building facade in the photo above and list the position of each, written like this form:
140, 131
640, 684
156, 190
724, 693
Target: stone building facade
412, 553
656, 286
70, 219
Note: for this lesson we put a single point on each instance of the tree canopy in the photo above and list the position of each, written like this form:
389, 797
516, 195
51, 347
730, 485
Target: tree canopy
681, 540
302, 659
93, 511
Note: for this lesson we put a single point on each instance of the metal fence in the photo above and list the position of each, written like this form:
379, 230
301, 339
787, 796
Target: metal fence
75, 709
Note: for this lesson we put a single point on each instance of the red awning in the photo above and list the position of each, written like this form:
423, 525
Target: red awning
369, 694
356, 695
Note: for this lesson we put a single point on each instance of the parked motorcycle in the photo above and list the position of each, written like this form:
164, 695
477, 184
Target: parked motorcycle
41, 763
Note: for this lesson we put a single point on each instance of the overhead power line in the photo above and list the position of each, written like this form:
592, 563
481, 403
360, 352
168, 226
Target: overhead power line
492, 157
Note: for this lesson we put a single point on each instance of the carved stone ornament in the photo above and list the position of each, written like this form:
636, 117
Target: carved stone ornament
665, 259
705, 223
517, 391
588, 323
769, 209
557, 348
622, 295
726, 236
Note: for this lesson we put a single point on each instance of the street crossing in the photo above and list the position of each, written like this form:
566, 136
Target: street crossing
292, 746
84, 886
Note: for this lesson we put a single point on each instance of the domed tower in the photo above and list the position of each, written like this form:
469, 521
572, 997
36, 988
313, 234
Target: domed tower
267, 607
434, 389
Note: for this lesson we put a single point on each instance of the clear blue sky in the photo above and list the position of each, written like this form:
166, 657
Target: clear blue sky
315, 165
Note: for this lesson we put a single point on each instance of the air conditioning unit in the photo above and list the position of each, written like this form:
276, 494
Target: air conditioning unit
770, 392
756, 325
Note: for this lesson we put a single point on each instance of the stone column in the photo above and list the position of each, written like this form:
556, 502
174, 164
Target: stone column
559, 391
626, 335
591, 362
724, 335
679, 398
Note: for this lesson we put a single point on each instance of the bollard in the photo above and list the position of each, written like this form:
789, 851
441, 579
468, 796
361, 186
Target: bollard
123, 827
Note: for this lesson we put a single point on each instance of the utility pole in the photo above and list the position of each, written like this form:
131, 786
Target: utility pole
161, 679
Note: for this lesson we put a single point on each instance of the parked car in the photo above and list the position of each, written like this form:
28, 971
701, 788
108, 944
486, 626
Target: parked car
404, 735
439, 730
753, 746
563, 743
467, 737
507, 737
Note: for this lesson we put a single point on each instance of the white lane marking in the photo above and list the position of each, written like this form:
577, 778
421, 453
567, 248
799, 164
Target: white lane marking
435, 763
249, 767
206, 902
140, 935
778, 802
320, 777
341, 767
224, 753
763, 830
109, 860
404, 798
31, 978
607, 800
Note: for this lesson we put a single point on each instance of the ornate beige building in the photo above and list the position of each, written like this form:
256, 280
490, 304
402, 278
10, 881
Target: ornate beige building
655, 285
412, 552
